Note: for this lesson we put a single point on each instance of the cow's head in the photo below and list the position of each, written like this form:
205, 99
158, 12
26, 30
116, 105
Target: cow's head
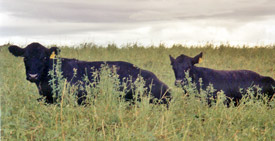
36, 59
183, 64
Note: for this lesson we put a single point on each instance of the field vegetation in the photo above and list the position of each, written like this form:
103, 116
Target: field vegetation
111, 118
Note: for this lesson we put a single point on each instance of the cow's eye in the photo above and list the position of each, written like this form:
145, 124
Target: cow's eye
45, 58
25, 59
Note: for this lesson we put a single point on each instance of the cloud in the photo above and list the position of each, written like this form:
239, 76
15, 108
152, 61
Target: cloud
136, 10
147, 21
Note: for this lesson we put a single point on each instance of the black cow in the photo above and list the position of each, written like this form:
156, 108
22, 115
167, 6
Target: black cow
38, 63
229, 81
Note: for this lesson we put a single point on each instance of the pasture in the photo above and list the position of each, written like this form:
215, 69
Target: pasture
108, 118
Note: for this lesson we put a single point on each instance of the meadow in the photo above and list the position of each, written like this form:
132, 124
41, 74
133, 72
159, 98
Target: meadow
110, 118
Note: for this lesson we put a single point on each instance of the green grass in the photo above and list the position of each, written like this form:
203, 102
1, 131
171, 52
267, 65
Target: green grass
109, 118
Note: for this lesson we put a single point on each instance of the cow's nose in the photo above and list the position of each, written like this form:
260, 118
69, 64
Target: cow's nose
33, 76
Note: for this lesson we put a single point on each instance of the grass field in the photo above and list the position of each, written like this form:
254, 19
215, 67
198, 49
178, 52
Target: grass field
24, 118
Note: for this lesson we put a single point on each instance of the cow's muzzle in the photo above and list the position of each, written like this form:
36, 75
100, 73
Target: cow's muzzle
32, 77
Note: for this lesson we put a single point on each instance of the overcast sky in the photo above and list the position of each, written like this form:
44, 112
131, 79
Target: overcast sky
145, 22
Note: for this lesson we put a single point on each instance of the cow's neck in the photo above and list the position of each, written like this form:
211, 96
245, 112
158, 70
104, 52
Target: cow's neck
195, 73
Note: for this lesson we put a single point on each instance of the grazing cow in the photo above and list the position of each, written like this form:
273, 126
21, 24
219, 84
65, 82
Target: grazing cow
228, 81
38, 63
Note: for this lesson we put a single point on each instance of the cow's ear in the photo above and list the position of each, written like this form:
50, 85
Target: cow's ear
16, 51
197, 59
53, 51
171, 59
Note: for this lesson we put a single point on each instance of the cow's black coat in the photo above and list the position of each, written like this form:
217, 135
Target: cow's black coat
38, 64
229, 81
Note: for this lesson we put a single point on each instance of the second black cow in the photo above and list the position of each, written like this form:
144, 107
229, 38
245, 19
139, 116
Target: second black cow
38, 64
228, 81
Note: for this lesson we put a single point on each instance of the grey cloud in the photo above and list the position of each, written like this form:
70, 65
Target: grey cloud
135, 10
67, 11
124, 20
32, 29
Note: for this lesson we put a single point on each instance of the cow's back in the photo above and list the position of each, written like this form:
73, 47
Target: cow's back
126, 71
84, 68
232, 81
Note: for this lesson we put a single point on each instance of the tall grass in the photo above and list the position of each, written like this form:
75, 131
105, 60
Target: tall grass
109, 117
